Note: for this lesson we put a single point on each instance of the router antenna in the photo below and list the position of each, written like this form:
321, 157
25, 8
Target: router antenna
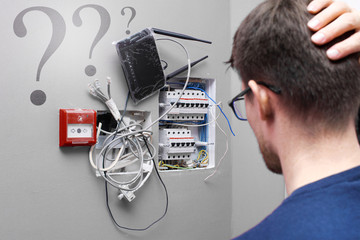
178, 35
184, 68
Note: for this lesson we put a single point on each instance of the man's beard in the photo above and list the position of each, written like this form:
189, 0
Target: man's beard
271, 159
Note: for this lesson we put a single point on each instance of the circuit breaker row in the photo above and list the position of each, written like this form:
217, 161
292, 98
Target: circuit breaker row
176, 143
192, 106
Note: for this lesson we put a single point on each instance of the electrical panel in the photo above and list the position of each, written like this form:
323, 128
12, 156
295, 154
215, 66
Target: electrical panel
187, 131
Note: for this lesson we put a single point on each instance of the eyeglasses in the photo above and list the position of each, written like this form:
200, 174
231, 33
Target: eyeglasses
237, 104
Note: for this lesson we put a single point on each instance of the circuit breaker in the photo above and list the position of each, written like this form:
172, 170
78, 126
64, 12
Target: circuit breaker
187, 131
178, 144
192, 106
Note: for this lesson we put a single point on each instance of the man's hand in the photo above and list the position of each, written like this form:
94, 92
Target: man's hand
332, 19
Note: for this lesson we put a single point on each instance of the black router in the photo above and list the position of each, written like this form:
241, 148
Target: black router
141, 63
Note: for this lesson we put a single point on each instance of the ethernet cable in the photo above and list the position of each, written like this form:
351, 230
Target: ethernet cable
108, 146
125, 139
185, 85
129, 137
95, 91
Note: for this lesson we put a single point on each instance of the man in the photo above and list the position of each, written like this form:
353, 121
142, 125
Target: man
302, 108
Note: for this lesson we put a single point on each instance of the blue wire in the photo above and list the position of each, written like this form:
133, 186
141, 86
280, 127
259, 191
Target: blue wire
195, 88
191, 84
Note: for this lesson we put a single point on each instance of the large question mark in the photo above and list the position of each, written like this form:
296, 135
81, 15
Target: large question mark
90, 70
38, 97
133, 14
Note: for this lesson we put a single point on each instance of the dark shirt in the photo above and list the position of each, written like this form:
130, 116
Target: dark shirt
326, 209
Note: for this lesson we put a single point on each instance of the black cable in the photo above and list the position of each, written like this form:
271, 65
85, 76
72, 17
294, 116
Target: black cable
166, 194
125, 107
166, 65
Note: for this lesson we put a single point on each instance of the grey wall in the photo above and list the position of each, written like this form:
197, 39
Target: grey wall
49, 192
256, 191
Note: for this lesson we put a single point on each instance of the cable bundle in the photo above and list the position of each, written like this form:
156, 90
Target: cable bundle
95, 90
131, 146
127, 143
131, 151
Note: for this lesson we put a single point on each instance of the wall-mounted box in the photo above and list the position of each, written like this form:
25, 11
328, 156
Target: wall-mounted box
77, 127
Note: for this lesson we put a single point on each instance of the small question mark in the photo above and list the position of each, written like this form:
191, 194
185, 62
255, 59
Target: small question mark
90, 70
38, 97
133, 14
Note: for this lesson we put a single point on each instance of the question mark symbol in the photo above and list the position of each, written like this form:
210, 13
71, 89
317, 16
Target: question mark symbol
133, 14
90, 70
38, 97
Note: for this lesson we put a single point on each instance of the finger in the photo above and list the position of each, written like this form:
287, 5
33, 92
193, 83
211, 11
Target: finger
343, 24
345, 48
326, 16
317, 5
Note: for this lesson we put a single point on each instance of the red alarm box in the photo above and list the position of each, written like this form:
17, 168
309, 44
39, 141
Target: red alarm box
77, 127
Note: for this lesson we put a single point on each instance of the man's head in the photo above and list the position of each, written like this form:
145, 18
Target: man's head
273, 45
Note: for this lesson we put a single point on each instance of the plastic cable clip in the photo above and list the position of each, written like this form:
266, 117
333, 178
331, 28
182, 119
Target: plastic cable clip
129, 195
113, 109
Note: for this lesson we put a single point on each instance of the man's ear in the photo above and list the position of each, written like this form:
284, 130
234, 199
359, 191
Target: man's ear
262, 97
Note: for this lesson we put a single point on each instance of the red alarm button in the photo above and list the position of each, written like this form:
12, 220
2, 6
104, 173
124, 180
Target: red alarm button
77, 127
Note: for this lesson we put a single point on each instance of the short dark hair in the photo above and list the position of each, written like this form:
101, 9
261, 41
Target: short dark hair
273, 45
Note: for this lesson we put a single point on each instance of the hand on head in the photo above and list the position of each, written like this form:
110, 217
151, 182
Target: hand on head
332, 19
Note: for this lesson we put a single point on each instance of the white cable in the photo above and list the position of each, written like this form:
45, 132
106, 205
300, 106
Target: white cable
120, 153
112, 165
118, 184
108, 145
157, 120
151, 145
226, 150
133, 136
140, 183
95, 90
93, 146
143, 181
124, 163
129, 154
186, 82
